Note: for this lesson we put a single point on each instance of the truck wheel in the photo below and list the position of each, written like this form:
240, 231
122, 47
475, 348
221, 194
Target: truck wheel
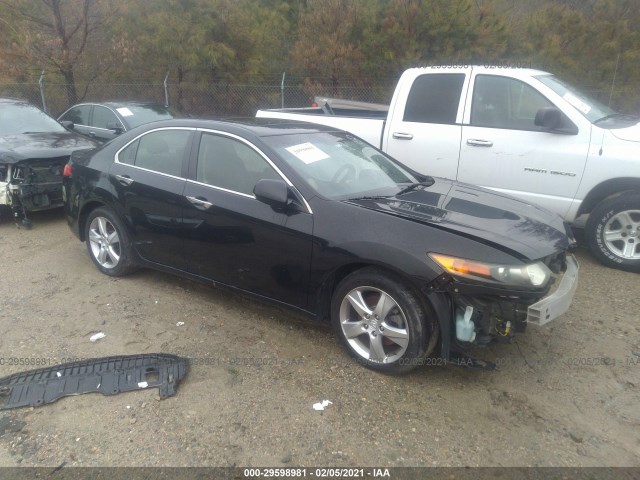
108, 243
381, 323
613, 231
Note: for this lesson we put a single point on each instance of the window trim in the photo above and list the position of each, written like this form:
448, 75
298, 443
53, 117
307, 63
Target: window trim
124, 129
459, 109
117, 154
259, 152
90, 105
471, 104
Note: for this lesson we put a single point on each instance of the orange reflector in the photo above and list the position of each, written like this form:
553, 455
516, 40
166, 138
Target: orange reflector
461, 266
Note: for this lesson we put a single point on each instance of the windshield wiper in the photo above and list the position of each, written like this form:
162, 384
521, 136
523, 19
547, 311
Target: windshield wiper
616, 115
425, 183
370, 197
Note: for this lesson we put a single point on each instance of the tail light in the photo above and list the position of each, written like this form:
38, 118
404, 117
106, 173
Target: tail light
68, 171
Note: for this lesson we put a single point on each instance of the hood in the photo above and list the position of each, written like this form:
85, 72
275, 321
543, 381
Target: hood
631, 134
15, 148
506, 223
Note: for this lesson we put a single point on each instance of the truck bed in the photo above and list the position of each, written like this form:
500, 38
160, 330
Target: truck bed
366, 123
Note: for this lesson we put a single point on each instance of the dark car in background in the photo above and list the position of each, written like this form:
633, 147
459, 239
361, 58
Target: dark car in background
104, 121
318, 220
34, 149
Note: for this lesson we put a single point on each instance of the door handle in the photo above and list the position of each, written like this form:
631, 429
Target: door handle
475, 142
92, 134
402, 136
200, 203
124, 180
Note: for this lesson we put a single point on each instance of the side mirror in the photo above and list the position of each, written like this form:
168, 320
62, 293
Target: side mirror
67, 124
117, 129
272, 192
549, 118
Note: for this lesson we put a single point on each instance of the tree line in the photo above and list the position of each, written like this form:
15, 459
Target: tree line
591, 43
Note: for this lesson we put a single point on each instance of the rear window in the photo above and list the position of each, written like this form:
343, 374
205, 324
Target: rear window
135, 115
434, 98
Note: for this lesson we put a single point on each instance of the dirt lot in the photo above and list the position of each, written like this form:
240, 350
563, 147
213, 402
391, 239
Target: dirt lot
565, 395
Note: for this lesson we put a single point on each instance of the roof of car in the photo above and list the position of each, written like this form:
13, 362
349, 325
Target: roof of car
261, 127
13, 100
126, 103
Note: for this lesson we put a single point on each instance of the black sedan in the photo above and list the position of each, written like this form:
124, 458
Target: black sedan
34, 150
318, 220
104, 121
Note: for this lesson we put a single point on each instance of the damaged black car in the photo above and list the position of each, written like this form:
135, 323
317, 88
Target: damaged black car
34, 149
405, 266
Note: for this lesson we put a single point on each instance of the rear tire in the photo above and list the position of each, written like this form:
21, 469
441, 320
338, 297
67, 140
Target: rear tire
613, 232
108, 242
381, 322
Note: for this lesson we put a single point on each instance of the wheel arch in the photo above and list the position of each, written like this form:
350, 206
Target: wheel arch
86, 210
607, 189
333, 279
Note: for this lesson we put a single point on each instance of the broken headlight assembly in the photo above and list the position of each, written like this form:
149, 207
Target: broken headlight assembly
535, 274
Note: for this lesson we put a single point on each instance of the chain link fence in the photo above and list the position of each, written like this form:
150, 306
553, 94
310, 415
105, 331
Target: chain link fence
198, 100
241, 100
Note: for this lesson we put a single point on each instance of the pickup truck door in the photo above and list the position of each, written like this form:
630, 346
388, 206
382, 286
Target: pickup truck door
503, 149
424, 128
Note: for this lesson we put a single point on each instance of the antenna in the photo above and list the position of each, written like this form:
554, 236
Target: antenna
613, 82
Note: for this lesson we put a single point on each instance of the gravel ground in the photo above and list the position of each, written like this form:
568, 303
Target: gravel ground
565, 395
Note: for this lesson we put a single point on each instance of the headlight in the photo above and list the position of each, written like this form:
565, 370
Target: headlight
535, 274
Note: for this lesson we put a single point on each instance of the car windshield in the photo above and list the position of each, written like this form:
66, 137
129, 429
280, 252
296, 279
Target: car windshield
135, 115
341, 166
17, 118
583, 103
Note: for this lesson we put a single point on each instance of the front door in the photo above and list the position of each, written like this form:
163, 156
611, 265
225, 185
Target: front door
503, 149
235, 239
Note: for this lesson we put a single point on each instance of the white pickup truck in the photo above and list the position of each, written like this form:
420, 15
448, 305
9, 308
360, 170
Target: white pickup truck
523, 132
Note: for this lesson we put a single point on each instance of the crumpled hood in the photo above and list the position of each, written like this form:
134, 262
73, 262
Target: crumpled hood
631, 134
14, 148
524, 230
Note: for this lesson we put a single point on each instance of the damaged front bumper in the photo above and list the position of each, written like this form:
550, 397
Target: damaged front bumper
558, 302
32, 185
476, 314
108, 375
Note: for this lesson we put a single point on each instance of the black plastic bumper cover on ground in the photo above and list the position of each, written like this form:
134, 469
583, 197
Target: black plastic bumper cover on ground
108, 375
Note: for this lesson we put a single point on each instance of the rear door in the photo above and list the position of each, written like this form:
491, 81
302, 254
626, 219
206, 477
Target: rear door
425, 127
235, 239
148, 177
503, 149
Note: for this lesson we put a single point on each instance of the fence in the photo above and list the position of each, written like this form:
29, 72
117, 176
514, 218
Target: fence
231, 100
202, 100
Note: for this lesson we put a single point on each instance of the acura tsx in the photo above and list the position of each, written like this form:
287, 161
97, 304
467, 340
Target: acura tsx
404, 265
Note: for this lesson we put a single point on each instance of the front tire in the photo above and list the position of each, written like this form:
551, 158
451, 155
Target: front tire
613, 231
381, 322
108, 242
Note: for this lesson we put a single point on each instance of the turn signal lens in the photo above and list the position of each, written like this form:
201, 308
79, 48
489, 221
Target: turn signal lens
532, 275
461, 266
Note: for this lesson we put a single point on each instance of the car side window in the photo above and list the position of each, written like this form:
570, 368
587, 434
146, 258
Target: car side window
104, 118
434, 98
501, 102
78, 115
230, 164
160, 151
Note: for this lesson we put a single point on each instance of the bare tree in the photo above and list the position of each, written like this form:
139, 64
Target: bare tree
56, 34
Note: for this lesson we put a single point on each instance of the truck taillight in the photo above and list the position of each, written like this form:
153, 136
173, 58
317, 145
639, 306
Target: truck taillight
67, 172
